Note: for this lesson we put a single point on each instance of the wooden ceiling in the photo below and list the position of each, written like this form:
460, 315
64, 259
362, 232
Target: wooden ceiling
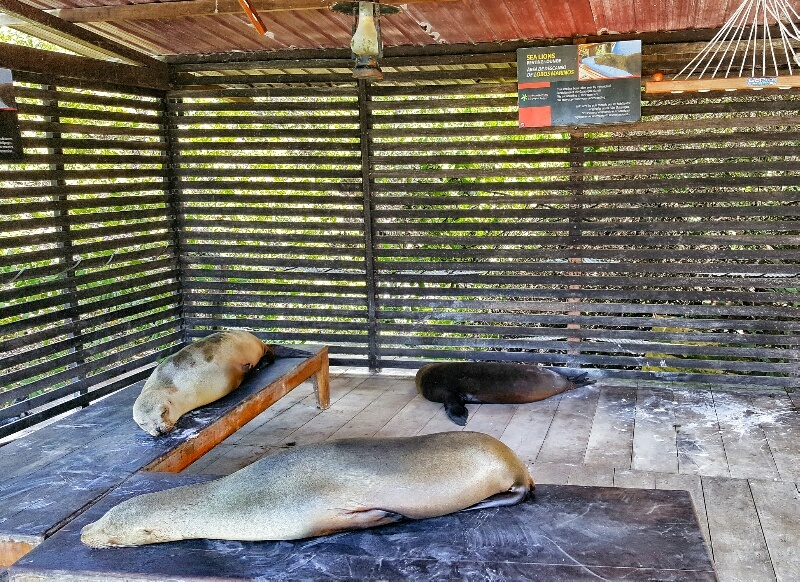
194, 27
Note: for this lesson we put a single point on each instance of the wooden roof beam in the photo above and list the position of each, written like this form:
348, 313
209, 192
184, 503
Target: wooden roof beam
54, 65
33, 18
186, 8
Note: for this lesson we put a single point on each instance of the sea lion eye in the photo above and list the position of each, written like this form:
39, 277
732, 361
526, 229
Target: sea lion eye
246, 367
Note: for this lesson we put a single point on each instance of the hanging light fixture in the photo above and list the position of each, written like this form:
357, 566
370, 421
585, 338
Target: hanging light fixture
744, 53
366, 44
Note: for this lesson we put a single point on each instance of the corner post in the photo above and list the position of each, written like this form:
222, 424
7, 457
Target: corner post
365, 124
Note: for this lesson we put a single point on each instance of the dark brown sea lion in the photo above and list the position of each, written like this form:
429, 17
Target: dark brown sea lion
457, 383
324, 488
202, 372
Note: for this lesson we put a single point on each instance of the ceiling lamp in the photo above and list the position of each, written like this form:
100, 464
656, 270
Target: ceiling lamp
744, 54
366, 43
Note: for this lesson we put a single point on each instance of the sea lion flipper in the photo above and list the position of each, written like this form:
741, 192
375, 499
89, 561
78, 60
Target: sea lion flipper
456, 410
364, 518
517, 494
580, 380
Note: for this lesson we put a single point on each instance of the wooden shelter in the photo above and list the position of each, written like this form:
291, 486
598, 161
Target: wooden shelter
183, 173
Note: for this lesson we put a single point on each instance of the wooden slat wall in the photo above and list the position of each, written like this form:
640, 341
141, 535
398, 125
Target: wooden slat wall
272, 223
89, 287
666, 248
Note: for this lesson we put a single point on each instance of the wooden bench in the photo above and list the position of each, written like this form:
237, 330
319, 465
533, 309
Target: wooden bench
52, 475
566, 532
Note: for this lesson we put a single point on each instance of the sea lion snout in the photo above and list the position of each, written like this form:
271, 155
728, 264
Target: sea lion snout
122, 526
153, 415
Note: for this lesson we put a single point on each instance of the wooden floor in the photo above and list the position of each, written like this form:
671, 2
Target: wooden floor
736, 451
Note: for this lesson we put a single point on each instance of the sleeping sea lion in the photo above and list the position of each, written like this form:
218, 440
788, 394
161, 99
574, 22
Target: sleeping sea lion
457, 383
323, 488
199, 373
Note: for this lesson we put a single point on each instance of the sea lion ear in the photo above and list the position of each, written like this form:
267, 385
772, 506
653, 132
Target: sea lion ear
456, 411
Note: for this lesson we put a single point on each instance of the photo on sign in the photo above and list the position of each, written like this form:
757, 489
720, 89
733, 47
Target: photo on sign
10, 139
609, 60
7, 102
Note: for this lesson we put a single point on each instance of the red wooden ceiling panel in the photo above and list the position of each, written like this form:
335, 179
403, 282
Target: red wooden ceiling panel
583, 17
452, 22
434, 31
528, 17
404, 29
499, 20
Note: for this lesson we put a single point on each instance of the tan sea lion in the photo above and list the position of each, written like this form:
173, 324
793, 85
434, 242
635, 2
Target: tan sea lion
457, 383
199, 373
323, 488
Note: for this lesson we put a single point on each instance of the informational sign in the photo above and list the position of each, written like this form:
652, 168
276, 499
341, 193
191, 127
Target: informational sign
10, 140
580, 84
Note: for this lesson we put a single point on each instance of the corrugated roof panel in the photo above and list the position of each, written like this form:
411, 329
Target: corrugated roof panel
452, 22
528, 18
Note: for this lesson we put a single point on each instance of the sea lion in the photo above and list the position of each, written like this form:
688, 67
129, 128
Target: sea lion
457, 383
324, 488
199, 373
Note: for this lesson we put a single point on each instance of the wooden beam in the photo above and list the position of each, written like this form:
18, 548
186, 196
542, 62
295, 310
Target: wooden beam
186, 8
22, 58
730, 84
34, 16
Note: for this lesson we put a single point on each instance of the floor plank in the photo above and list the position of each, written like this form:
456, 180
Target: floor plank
594, 476
778, 507
654, 438
322, 426
739, 549
379, 412
611, 438
528, 427
746, 447
411, 418
634, 479
699, 442
781, 425
568, 436
492, 419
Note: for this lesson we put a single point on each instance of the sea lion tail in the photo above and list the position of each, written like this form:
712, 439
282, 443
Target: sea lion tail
456, 411
580, 380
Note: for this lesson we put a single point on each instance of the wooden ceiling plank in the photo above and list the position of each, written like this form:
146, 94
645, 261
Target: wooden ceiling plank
53, 65
184, 8
35, 16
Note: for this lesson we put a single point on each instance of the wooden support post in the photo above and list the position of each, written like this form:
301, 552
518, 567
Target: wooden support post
576, 191
365, 122
174, 203
66, 255
322, 384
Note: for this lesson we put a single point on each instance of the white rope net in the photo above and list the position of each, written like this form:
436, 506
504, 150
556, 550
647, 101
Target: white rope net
745, 46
